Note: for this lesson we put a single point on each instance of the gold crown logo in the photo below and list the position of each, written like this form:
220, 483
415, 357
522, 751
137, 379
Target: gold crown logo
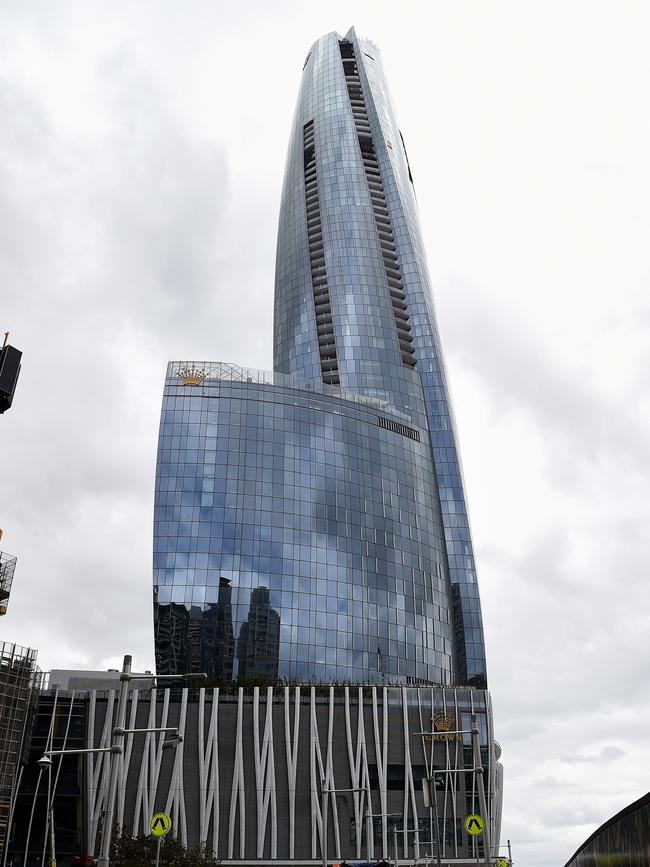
191, 375
442, 727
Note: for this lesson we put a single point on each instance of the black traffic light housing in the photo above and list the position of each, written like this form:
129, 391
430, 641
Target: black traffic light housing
9, 370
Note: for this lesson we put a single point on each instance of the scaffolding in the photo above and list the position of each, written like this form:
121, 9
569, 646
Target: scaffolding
7, 569
20, 680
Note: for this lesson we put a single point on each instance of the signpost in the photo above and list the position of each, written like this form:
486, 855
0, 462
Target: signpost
160, 826
474, 825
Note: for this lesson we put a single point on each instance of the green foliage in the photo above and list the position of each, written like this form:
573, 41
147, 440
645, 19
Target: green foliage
128, 851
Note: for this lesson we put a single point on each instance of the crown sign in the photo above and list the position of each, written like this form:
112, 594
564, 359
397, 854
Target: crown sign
191, 375
442, 725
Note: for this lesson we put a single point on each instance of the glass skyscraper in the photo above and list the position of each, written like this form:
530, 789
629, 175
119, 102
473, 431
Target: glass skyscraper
310, 522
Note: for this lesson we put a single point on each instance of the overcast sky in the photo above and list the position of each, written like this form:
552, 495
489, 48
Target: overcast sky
142, 149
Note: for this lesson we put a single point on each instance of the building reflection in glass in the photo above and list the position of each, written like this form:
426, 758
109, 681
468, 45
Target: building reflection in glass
196, 637
258, 645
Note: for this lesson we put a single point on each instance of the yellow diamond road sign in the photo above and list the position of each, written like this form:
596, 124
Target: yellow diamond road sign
474, 825
502, 862
160, 824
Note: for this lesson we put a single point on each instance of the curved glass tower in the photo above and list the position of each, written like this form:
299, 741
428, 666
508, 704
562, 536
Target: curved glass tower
310, 523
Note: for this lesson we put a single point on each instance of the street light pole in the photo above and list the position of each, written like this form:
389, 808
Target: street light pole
107, 831
395, 843
45, 763
324, 792
50, 798
435, 811
116, 749
394, 817
478, 769
323, 813
118, 734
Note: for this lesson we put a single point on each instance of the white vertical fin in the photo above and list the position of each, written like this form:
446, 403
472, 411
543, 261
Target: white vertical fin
329, 776
125, 761
358, 765
381, 753
455, 782
142, 809
98, 795
409, 790
204, 758
259, 783
264, 773
270, 775
317, 774
292, 760
365, 777
145, 800
175, 806
214, 786
208, 772
237, 793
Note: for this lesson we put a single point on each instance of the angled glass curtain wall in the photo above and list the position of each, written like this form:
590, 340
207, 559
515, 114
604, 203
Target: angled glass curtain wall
383, 319
329, 491
295, 536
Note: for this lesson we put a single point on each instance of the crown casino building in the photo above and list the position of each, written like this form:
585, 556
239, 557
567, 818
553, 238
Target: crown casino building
312, 549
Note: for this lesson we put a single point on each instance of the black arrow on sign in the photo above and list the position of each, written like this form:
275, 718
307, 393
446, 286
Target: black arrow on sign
473, 823
162, 823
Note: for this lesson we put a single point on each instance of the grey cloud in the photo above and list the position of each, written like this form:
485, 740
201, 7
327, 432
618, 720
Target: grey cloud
522, 372
608, 753
550, 783
565, 816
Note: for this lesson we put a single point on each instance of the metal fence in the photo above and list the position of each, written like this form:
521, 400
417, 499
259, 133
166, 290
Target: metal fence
198, 372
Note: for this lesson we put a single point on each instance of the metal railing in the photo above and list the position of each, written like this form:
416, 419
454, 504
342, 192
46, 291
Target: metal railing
195, 373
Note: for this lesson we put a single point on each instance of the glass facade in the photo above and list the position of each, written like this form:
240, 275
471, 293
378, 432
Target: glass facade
311, 523
297, 534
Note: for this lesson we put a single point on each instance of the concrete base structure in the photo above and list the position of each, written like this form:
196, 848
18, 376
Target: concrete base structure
246, 781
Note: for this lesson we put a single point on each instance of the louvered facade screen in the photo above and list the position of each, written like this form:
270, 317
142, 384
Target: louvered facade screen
378, 199
322, 306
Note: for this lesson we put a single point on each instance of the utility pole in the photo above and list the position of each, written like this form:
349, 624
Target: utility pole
107, 831
323, 812
394, 817
324, 792
478, 770
435, 810
395, 843
117, 741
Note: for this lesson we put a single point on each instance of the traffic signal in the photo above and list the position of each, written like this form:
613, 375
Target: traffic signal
9, 370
